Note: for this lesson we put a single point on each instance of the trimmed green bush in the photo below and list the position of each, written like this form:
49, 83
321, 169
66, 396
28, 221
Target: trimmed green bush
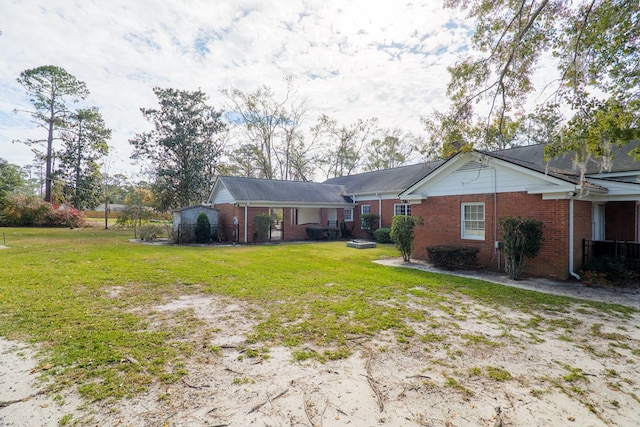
453, 256
383, 235
318, 232
262, 222
522, 241
151, 231
402, 227
203, 228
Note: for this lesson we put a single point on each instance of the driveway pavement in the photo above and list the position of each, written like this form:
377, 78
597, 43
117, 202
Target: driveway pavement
629, 297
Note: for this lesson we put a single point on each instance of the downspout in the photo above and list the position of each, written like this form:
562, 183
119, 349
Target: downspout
246, 222
379, 210
571, 272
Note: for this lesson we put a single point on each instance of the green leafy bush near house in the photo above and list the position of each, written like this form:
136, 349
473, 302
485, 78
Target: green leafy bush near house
345, 231
453, 256
319, 232
262, 222
203, 228
369, 223
383, 235
522, 241
402, 227
151, 232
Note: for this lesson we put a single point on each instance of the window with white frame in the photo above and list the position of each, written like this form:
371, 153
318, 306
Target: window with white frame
364, 210
294, 216
472, 223
348, 214
402, 209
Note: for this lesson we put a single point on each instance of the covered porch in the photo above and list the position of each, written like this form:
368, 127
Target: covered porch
614, 247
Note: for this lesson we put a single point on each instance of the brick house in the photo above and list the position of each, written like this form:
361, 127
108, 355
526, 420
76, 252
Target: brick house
377, 193
462, 200
295, 204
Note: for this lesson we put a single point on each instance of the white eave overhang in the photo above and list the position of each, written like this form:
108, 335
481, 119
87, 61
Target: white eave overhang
290, 204
414, 198
567, 191
549, 189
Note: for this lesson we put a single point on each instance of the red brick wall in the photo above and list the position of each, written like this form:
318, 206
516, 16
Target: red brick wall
442, 227
226, 212
293, 232
357, 211
621, 221
387, 213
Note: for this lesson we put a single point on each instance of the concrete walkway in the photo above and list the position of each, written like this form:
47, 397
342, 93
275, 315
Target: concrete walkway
629, 297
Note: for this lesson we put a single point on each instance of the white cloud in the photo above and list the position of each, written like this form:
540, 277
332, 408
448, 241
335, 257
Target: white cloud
351, 60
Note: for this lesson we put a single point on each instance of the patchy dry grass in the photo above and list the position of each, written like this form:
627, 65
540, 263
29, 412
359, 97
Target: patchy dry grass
100, 308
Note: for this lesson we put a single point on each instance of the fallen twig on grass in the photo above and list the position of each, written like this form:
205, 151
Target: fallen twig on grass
419, 376
307, 409
269, 399
233, 372
197, 387
24, 399
373, 386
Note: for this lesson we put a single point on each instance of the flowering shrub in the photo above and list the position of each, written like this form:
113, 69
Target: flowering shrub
590, 277
31, 211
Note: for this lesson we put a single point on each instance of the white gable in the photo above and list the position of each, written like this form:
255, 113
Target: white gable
220, 195
472, 173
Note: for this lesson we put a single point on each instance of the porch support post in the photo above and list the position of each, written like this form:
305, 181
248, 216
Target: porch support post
246, 222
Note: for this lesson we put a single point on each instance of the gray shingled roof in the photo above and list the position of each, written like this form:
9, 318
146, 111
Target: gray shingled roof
397, 180
532, 156
385, 181
267, 190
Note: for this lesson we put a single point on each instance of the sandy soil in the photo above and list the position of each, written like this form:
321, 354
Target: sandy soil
494, 368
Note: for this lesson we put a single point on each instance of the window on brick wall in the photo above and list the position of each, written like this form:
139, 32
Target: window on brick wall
472, 221
348, 215
294, 216
364, 210
402, 209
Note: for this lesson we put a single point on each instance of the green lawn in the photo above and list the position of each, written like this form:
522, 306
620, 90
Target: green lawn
55, 289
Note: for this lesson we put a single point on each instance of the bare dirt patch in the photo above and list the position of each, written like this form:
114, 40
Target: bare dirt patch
467, 365
23, 401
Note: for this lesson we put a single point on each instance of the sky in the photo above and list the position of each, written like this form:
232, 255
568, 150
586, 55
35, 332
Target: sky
349, 59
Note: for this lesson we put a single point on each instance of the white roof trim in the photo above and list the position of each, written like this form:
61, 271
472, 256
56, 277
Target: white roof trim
290, 204
412, 197
460, 159
546, 189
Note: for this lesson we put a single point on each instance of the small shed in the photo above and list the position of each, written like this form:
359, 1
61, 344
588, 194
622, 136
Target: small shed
184, 223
